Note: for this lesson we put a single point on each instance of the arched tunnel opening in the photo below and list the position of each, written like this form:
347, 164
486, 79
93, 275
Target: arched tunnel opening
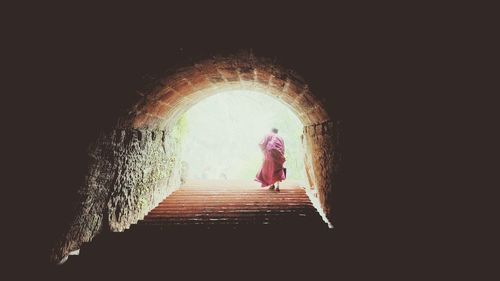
139, 163
220, 136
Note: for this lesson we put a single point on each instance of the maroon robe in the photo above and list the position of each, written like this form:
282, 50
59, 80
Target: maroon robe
272, 171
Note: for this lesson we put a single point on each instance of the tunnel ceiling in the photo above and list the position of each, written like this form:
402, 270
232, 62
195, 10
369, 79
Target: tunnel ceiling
174, 94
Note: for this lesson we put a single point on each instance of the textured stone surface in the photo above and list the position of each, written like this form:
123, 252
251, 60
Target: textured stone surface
130, 172
323, 161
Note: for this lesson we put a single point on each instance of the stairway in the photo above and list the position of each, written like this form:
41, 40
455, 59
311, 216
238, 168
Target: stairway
210, 228
233, 204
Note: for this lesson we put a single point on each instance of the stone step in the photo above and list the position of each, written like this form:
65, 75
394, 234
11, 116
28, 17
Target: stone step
250, 206
182, 213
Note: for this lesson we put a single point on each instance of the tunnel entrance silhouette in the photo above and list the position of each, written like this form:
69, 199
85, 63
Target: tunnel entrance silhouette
163, 103
138, 164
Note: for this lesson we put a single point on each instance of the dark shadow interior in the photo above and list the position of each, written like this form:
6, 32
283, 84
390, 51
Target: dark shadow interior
76, 72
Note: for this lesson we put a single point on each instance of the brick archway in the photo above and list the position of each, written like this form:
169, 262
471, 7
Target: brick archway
174, 94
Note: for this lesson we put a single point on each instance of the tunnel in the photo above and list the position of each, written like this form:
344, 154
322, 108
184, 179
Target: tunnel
94, 93
136, 165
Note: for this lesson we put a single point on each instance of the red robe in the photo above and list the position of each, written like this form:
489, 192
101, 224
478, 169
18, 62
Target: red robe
271, 171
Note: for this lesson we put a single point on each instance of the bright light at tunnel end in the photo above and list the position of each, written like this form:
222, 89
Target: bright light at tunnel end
221, 134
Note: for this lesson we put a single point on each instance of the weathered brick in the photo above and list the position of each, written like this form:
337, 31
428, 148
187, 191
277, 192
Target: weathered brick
199, 81
229, 73
304, 103
288, 98
171, 97
247, 73
277, 83
140, 120
214, 76
263, 77
181, 85
161, 109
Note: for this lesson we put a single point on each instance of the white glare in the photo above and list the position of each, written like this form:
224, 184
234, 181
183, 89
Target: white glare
220, 136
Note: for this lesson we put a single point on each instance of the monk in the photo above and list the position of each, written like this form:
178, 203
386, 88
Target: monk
272, 171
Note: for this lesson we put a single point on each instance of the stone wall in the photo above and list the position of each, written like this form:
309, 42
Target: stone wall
130, 172
323, 144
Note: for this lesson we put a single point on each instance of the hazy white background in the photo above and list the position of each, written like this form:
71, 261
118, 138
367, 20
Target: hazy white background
221, 136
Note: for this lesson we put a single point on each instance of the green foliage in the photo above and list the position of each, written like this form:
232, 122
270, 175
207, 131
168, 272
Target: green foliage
181, 128
142, 203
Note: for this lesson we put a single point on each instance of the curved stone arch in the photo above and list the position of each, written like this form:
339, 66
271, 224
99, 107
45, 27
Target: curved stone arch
174, 94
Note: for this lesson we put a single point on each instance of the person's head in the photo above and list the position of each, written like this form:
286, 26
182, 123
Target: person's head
274, 130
